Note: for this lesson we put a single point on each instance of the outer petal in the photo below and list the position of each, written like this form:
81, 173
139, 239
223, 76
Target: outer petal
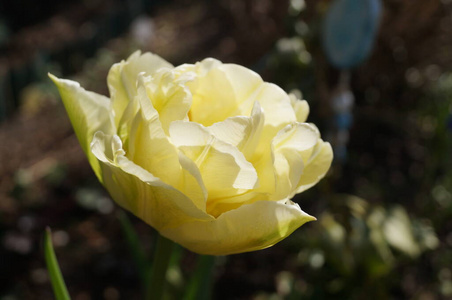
300, 107
317, 166
289, 148
150, 148
89, 112
122, 78
278, 113
138, 191
248, 228
276, 105
243, 80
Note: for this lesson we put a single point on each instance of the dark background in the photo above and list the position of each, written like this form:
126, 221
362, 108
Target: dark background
384, 228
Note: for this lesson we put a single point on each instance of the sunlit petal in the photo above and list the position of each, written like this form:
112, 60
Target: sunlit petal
140, 192
212, 155
122, 78
248, 228
89, 112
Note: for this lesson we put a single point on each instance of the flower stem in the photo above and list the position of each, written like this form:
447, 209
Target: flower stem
160, 263
200, 285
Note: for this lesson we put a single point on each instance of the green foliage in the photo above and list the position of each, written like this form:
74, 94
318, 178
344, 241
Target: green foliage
59, 287
356, 250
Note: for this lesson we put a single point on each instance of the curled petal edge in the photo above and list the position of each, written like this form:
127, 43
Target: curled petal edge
135, 189
250, 227
88, 112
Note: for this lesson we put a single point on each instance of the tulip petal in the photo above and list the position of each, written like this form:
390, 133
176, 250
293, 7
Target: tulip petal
126, 122
241, 132
288, 166
233, 130
169, 95
122, 78
243, 81
132, 187
248, 228
150, 148
221, 90
224, 169
213, 98
200, 68
317, 166
191, 182
89, 112
278, 113
299, 136
288, 147
276, 105
300, 107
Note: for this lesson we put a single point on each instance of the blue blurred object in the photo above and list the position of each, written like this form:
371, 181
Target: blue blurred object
349, 31
344, 120
342, 100
340, 153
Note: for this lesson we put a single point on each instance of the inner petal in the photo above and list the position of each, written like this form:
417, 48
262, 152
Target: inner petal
213, 98
224, 169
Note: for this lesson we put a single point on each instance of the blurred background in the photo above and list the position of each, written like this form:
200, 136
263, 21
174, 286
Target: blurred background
384, 228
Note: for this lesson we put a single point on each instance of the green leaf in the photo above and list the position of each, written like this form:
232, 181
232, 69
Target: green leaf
59, 287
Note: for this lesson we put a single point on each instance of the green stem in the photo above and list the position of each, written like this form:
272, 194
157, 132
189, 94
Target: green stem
138, 254
57, 280
200, 285
160, 263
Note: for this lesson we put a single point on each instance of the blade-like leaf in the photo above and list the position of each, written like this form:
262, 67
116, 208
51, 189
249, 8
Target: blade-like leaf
59, 287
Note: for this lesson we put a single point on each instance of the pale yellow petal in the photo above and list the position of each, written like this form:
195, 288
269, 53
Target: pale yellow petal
169, 96
122, 78
278, 113
218, 206
299, 136
241, 132
263, 163
243, 81
213, 98
276, 105
317, 166
149, 147
132, 187
191, 182
201, 68
248, 228
224, 169
126, 122
300, 107
234, 130
288, 167
89, 112
289, 148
